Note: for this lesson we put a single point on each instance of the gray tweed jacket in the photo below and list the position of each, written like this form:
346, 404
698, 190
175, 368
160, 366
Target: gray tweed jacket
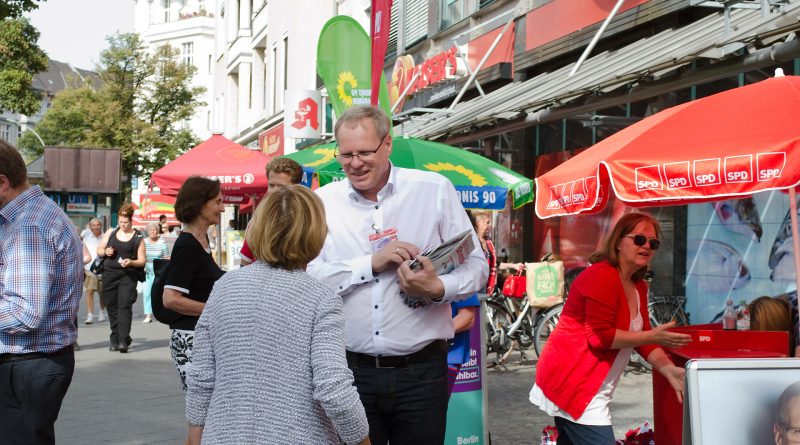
269, 363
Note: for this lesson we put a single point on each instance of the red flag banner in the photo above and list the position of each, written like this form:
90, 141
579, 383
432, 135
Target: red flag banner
379, 33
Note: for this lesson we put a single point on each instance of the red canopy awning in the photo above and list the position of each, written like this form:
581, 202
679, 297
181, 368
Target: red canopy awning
240, 171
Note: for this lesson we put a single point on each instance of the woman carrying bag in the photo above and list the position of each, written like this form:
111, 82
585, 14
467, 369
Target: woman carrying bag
123, 253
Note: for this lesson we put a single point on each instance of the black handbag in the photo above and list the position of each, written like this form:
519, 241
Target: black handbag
97, 266
140, 275
161, 267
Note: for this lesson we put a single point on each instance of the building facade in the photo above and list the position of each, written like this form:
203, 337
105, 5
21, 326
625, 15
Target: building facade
188, 26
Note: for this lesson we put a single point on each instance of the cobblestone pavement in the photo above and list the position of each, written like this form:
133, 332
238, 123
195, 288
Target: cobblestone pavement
135, 398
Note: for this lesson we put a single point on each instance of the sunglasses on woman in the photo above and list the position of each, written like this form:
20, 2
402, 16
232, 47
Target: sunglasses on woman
641, 240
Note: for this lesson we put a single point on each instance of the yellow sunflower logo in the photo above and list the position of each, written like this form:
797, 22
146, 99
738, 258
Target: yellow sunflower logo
346, 77
474, 178
327, 156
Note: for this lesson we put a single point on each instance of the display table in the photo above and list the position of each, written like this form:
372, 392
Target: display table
708, 341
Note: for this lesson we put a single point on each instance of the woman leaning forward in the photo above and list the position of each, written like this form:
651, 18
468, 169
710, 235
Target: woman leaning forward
269, 360
604, 318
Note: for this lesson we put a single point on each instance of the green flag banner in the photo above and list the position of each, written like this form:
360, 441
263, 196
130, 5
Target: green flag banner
344, 63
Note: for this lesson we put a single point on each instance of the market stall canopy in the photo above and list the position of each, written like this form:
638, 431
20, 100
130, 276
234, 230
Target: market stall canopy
481, 182
239, 170
728, 145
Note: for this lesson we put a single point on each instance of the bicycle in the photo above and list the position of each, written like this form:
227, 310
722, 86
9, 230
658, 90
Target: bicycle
513, 321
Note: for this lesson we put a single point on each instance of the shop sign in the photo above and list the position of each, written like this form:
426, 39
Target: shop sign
271, 141
80, 203
302, 114
431, 71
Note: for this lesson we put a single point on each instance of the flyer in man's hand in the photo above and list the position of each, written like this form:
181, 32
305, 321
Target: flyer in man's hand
449, 255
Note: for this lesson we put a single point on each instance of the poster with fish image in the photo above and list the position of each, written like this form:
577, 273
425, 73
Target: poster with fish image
739, 249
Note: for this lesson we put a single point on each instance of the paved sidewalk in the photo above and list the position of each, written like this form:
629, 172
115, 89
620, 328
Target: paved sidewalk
124, 399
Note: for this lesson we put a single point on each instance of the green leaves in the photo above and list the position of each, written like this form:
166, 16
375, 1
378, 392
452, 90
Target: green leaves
20, 59
139, 109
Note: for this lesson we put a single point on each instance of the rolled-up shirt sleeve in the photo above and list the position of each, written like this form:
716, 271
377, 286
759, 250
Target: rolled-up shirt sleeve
28, 265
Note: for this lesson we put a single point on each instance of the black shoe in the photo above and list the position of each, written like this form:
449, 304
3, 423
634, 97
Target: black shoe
123, 348
113, 348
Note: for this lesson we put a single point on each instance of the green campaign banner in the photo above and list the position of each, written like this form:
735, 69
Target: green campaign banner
344, 63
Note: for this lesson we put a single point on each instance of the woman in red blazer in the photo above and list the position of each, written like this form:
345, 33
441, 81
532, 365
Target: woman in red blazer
604, 318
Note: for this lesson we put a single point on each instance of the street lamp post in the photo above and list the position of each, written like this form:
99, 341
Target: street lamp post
25, 124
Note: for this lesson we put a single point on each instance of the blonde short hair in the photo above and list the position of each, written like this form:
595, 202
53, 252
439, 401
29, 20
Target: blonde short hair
289, 228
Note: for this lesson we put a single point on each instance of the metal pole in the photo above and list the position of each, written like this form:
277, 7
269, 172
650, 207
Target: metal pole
596, 38
483, 61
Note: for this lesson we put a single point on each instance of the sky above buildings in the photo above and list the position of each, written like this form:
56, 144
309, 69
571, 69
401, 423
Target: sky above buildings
75, 31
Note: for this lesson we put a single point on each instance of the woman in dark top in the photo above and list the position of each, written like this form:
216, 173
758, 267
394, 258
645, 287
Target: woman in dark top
122, 250
192, 269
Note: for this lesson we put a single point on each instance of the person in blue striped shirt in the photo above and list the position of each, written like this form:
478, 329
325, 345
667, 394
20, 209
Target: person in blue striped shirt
41, 279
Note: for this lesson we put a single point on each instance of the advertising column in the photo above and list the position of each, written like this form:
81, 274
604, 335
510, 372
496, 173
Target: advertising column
465, 414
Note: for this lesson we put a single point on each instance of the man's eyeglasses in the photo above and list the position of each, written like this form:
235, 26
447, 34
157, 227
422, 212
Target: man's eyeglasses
641, 240
363, 155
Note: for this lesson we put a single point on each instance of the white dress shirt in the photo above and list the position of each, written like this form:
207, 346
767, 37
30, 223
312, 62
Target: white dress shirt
426, 210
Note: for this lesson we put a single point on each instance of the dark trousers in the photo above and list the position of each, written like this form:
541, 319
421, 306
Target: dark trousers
571, 433
31, 392
119, 294
405, 405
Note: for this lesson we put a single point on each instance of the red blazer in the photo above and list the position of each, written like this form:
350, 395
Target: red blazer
577, 357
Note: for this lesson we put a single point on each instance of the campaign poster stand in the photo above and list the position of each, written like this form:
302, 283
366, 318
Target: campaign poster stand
708, 341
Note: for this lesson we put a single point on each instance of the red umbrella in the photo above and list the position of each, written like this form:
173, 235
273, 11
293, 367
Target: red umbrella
239, 170
728, 145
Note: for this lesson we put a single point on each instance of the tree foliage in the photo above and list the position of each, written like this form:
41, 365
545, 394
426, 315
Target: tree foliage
15, 8
141, 108
20, 59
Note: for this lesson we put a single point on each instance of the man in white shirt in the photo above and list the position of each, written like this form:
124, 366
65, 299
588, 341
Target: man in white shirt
92, 282
396, 320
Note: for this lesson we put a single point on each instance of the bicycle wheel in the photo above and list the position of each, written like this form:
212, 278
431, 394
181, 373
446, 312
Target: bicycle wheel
497, 340
545, 326
663, 311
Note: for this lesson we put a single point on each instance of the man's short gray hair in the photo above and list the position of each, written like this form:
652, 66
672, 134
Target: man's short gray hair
356, 114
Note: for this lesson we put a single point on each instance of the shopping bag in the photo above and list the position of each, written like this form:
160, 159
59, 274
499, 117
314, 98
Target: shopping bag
545, 286
514, 286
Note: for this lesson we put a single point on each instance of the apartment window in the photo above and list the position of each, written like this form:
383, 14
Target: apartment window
187, 51
285, 81
452, 12
274, 88
391, 45
485, 3
165, 5
416, 22
19, 132
210, 65
5, 131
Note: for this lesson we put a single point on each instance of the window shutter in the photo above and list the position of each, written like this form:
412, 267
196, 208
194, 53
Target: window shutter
391, 46
416, 21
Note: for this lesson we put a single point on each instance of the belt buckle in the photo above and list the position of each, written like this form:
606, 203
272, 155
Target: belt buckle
378, 363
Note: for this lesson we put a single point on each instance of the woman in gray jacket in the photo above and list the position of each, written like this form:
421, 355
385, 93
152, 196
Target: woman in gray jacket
269, 360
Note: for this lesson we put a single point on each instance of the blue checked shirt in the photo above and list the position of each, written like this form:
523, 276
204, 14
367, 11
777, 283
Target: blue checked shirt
41, 275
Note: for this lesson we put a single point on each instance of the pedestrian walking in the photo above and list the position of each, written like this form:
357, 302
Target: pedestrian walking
123, 253
397, 321
249, 381
41, 278
92, 283
155, 247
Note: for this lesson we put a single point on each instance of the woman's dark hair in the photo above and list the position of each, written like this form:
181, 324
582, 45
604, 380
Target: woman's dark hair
193, 195
126, 211
624, 226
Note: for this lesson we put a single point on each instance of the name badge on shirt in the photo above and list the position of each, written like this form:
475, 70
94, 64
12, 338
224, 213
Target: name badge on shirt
380, 239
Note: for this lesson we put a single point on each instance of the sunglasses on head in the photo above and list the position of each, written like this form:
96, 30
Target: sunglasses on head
641, 240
